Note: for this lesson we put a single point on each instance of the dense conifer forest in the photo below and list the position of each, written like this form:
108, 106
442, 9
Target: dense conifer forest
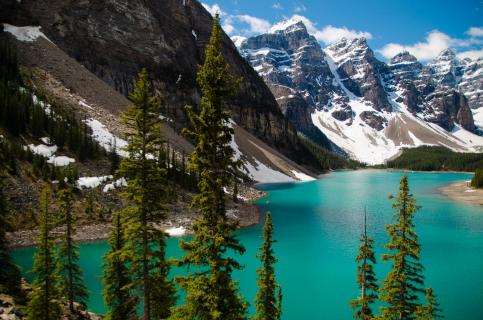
433, 158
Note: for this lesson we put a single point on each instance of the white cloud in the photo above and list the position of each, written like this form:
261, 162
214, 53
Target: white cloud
330, 34
436, 41
472, 54
213, 9
277, 5
228, 28
475, 32
256, 25
299, 8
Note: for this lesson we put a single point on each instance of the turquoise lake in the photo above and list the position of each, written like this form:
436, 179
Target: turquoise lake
317, 225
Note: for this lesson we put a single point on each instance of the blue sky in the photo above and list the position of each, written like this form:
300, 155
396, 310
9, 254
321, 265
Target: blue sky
423, 27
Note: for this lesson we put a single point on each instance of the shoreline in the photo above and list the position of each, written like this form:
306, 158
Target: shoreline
179, 223
461, 192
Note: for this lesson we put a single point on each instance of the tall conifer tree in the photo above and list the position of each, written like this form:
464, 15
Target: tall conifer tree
144, 193
118, 295
431, 310
268, 301
404, 282
366, 278
211, 293
73, 288
10, 273
44, 300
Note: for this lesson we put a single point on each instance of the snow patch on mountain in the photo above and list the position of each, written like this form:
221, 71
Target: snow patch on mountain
105, 138
25, 34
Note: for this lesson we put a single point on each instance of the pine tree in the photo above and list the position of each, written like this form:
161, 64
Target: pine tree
163, 293
114, 157
144, 193
268, 303
431, 310
118, 295
44, 300
366, 278
71, 282
235, 189
403, 283
10, 273
211, 293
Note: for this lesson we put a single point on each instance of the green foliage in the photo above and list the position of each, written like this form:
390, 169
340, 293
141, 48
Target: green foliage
211, 293
44, 300
71, 280
114, 157
144, 195
23, 112
431, 310
328, 160
366, 277
163, 293
118, 290
268, 301
477, 180
432, 158
404, 282
10, 273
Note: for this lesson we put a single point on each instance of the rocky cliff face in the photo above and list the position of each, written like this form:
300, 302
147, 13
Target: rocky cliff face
115, 38
355, 99
292, 63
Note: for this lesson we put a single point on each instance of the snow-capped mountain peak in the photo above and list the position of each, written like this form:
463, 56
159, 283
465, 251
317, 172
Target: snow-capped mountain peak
367, 108
402, 57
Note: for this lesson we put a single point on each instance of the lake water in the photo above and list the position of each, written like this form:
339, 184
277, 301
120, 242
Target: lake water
317, 225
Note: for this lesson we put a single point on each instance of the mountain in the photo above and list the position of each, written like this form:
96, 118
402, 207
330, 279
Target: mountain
109, 42
368, 108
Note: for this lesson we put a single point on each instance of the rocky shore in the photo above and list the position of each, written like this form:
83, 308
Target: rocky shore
461, 191
179, 222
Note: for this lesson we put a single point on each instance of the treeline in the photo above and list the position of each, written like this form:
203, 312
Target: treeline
23, 111
434, 158
477, 180
328, 160
14, 152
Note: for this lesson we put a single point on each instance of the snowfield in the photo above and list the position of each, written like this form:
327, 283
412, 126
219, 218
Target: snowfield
375, 147
60, 161
25, 34
106, 139
91, 182
43, 150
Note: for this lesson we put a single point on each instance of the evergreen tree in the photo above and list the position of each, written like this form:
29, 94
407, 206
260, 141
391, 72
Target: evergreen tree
114, 157
211, 293
10, 273
44, 300
118, 295
431, 310
71, 282
144, 193
403, 283
268, 303
235, 189
366, 278
163, 293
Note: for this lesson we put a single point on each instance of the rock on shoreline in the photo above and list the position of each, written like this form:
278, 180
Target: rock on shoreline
179, 223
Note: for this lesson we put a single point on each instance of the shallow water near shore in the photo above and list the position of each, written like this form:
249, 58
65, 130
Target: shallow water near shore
317, 225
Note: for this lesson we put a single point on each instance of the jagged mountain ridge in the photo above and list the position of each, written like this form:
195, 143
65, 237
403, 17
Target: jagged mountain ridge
362, 104
114, 39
